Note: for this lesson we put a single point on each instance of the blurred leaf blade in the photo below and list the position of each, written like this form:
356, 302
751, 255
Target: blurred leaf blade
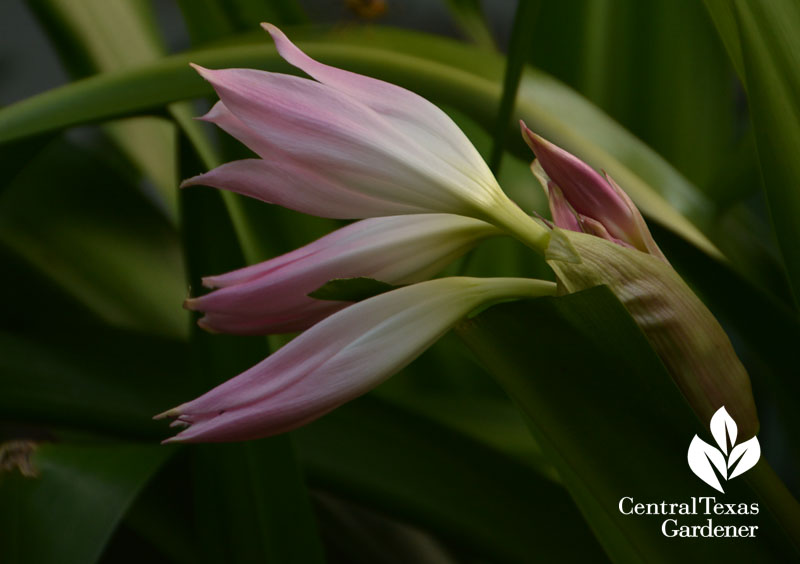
108, 248
629, 47
425, 473
765, 47
252, 504
92, 39
61, 381
469, 17
96, 36
206, 20
212, 20
67, 513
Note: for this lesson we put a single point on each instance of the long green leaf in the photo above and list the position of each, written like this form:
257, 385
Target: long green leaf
210, 20
104, 380
378, 455
357, 535
603, 408
657, 68
89, 230
546, 104
90, 38
765, 47
69, 510
468, 15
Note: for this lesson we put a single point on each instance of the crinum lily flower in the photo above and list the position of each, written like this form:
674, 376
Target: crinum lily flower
344, 146
349, 146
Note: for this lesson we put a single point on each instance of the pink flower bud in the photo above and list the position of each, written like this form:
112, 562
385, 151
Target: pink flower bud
582, 200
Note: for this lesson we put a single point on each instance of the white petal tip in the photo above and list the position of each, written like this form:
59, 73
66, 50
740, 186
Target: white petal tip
202, 71
169, 413
271, 29
193, 181
171, 440
203, 324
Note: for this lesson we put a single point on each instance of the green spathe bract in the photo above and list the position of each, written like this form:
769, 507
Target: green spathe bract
687, 337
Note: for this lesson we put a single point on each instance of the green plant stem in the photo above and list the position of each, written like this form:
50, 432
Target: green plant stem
516, 223
518, 48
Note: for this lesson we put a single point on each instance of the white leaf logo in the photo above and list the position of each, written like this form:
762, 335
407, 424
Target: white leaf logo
723, 427
710, 464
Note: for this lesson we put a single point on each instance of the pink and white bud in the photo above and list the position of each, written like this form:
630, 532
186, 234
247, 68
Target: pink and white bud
584, 201
272, 296
340, 358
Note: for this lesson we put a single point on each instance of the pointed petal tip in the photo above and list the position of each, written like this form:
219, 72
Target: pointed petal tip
197, 180
525, 130
201, 70
216, 114
271, 29
536, 142
171, 440
188, 182
204, 325
174, 412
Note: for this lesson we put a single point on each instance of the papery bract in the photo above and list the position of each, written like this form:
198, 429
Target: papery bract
272, 297
685, 334
340, 358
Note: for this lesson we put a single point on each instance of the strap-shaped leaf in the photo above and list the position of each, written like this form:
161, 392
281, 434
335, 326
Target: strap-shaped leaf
763, 43
77, 226
89, 38
386, 459
67, 512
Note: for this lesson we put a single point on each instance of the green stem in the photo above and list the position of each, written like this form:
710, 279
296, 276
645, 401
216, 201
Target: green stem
515, 222
519, 46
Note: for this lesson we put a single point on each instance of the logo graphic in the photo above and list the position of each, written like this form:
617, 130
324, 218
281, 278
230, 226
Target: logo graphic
730, 460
